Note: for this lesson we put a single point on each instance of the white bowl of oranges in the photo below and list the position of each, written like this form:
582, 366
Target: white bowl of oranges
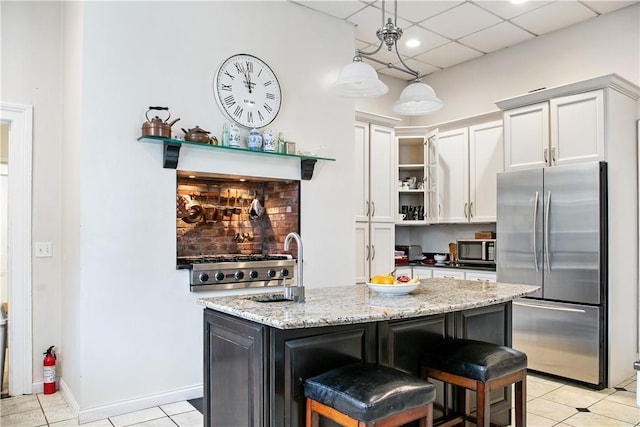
387, 285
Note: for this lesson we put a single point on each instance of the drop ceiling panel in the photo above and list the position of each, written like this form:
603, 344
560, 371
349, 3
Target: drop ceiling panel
606, 6
553, 16
507, 9
339, 9
460, 21
448, 55
417, 11
496, 37
428, 40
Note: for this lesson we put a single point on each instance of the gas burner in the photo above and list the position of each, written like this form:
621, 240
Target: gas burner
233, 271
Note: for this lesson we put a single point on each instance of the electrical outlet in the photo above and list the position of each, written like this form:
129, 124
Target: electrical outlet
43, 249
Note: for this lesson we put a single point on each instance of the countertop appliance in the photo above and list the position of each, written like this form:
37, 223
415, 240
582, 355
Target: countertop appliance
236, 271
412, 252
552, 232
476, 251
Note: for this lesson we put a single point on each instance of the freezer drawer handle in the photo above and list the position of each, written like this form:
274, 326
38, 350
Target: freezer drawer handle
535, 230
546, 307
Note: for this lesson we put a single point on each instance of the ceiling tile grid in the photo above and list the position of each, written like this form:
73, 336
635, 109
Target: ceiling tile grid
454, 31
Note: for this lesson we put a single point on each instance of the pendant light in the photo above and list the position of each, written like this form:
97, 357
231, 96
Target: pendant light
360, 80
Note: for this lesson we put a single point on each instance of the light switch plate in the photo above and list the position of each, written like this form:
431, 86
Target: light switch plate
44, 249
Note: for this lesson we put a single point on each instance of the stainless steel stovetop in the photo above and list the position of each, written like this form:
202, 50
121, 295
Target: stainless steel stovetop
237, 271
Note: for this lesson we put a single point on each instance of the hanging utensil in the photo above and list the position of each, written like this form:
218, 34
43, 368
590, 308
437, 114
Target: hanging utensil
236, 210
196, 211
219, 208
227, 210
209, 209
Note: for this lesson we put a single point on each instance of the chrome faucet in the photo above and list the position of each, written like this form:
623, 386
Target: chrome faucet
295, 293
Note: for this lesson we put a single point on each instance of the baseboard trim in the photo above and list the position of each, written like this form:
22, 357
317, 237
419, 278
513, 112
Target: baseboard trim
125, 406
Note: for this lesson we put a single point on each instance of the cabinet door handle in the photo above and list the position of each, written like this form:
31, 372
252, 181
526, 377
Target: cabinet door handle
373, 208
373, 252
553, 154
367, 257
471, 210
546, 160
465, 210
367, 212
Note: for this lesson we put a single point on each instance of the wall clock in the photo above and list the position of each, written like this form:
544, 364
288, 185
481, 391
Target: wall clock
247, 91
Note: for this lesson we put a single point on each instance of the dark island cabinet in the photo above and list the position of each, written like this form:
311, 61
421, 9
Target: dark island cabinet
491, 324
235, 381
254, 374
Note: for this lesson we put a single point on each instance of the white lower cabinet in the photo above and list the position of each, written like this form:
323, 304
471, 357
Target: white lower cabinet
404, 271
443, 273
423, 273
375, 244
480, 276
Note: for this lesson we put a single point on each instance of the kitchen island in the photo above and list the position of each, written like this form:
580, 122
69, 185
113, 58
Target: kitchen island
257, 354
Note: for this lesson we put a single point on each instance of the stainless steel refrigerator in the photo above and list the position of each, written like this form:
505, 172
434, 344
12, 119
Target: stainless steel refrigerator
551, 231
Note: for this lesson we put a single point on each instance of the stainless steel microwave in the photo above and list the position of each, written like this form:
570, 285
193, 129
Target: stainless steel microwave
477, 251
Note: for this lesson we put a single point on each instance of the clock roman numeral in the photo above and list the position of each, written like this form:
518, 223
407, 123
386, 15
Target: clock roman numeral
240, 68
229, 100
268, 108
271, 96
225, 87
227, 73
238, 111
260, 72
268, 83
250, 67
260, 115
249, 116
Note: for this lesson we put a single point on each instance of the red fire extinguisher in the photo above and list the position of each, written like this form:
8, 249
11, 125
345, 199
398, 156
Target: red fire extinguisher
49, 364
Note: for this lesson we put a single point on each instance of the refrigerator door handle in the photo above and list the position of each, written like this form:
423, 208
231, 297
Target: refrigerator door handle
546, 307
535, 229
547, 208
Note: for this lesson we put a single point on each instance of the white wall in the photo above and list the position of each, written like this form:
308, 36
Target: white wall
134, 306
31, 73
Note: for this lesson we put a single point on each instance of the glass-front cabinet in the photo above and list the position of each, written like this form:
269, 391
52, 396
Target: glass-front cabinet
417, 177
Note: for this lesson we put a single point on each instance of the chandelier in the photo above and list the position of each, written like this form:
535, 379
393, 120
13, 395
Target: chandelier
360, 80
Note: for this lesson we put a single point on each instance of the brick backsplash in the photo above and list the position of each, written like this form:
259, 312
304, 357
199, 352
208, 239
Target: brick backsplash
281, 216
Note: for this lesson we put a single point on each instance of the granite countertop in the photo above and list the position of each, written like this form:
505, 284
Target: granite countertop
343, 305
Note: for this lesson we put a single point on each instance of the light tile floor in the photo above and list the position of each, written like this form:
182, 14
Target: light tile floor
549, 403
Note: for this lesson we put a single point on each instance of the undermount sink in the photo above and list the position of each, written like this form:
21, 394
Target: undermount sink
268, 298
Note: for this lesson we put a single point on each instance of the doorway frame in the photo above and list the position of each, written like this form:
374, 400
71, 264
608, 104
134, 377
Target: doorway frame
19, 294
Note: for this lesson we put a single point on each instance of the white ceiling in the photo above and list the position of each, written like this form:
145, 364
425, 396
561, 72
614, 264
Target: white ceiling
454, 31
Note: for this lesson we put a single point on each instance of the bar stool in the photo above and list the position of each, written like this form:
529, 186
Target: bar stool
482, 367
368, 395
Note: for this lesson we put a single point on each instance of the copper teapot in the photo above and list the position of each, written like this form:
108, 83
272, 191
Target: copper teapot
199, 135
156, 126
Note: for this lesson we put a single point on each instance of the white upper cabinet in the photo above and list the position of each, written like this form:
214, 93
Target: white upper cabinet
485, 162
382, 173
562, 130
526, 137
453, 176
577, 128
468, 161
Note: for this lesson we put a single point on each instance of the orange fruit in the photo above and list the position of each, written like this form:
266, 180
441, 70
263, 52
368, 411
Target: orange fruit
388, 279
377, 280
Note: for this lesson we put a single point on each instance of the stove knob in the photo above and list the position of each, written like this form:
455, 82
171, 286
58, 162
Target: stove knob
284, 272
271, 273
219, 276
239, 275
203, 277
253, 274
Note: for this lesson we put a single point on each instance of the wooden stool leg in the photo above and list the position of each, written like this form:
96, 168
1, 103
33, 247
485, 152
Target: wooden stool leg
521, 402
313, 419
483, 405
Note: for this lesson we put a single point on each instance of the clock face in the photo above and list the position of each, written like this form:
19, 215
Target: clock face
247, 91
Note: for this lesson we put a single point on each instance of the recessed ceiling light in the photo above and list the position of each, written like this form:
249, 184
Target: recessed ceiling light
412, 43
